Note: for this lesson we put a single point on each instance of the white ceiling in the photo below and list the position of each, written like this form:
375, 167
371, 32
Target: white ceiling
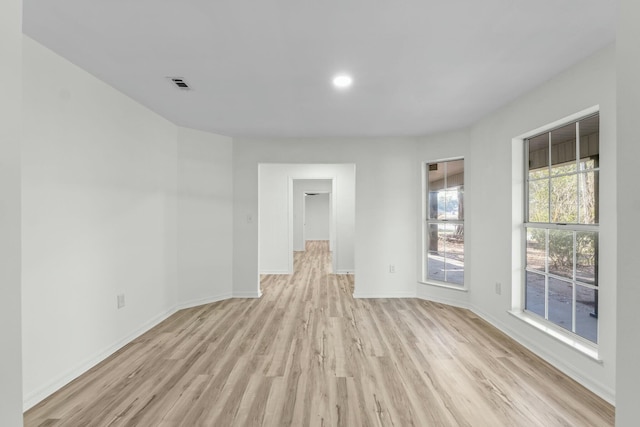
264, 67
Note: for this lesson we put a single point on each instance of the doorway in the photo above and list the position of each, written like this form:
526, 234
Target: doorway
316, 216
312, 214
280, 224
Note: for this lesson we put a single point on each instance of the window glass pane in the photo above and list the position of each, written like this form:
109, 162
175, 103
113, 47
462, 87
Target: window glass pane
454, 204
588, 189
587, 257
435, 207
435, 182
435, 254
589, 142
587, 313
539, 156
534, 297
561, 253
454, 257
446, 253
564, 199
563, 150
435, 266
536, 248
539, 201
561, 303
454, 272
445, 240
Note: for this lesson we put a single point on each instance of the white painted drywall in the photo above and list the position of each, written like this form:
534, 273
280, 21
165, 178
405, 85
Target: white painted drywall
628, 104
276, 231
10, 230
385, 217
299, 188
99, 219
316, 217
489, 204
205, 209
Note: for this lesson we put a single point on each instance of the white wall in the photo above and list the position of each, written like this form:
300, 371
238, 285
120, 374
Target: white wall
628, 92
99, 219
489, 204
205, 210
316, 217
385, 230
10, 119
276, 231
299, 187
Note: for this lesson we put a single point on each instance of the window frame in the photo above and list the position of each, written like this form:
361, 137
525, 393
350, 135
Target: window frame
542, 322
426, 221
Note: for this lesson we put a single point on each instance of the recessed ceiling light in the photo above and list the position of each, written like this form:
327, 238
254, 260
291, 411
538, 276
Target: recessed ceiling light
342, 81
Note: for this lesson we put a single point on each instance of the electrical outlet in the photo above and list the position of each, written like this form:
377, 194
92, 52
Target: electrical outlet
498, 288
120, 301
392, 268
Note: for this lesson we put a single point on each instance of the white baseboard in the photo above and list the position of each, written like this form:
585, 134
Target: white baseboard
384, 295
252, 294
446, 301
598, 388
601, 390
202, 301
31, 399
275, 272
344, 272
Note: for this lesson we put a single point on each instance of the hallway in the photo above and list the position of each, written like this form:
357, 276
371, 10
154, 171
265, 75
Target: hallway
307, 353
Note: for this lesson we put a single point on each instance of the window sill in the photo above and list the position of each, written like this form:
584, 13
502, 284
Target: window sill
445, 285
589, 350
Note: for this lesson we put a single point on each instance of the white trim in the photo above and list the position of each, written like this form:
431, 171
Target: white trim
559, 123
596, 387
446, 301
606, 393
65, 378
264, 272
588, 349
384, 295
202, 301
35, 397
445, 285
425, 221
344, 272
245, 294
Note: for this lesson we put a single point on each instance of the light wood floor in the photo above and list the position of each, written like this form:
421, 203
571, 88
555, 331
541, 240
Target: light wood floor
307, 353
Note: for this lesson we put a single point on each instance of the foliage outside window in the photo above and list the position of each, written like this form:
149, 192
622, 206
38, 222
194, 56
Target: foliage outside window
444, 229
561, 278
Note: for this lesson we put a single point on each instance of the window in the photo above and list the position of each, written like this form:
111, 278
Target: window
561, 226
444, 227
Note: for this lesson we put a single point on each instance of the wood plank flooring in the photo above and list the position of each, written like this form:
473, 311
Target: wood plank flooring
308, 354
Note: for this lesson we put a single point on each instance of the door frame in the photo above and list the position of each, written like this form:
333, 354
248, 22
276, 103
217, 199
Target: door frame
333, 206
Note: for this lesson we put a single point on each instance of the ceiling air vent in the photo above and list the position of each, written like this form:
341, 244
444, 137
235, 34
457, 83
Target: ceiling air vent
179, 82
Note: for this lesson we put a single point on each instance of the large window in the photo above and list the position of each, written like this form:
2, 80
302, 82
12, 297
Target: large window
561, 224
444, 228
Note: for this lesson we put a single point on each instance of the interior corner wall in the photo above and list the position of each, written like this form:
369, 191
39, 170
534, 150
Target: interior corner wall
99, 219
489, 207
299, 187
628, 103
385, 207
10, 230
205, 211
